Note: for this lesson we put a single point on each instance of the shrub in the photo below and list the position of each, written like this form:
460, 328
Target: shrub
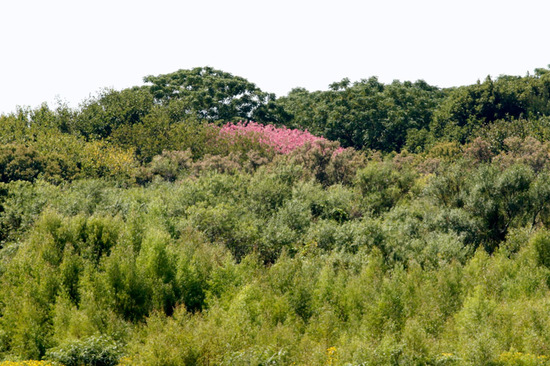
319, 158
19, 162
541, 245
92, 351
99, 159
229, 164
20, 204
521, 359
528, 151
267, 193
382, 185
445, 151
343, 166
479, 151
283, 140
170, 164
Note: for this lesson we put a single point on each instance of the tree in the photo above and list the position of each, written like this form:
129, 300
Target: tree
112, 109
366, 114
500, 199
19, 162
469, 108
208, 93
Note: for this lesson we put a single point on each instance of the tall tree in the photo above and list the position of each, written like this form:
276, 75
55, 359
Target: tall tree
365, 114
100, 116
208, 93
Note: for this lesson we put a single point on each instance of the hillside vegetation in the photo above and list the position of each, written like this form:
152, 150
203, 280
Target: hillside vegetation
198, 220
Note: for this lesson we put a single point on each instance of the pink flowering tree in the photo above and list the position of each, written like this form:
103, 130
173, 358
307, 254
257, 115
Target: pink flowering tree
281, 140
256, 144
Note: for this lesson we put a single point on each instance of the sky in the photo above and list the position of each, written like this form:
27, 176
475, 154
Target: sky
66, 51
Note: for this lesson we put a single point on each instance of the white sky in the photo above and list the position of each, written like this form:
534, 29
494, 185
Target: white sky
72, 48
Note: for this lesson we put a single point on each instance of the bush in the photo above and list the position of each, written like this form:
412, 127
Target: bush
528, 151
92, 351
382, 185
541, 245
19, 162
281, 139
171, 164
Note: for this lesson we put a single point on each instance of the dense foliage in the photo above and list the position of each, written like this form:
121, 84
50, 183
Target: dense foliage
368, 224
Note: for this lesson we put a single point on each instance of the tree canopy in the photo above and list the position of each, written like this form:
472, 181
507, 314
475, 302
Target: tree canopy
208, 93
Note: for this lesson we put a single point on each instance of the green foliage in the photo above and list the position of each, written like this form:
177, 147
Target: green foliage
171, 164
13, 129
20, 204
94, 351
367, 114
18, 162
382, 185
129, 286
208, 94
508, 97
498, 199
99, 117
541, 246
132, 227
528, 151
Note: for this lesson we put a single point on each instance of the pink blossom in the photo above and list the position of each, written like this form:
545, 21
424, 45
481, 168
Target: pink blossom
282, 139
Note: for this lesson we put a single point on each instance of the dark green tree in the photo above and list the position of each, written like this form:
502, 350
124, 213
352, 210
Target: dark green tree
366, 114
19, 162
470, 108
112, 109
208, 93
